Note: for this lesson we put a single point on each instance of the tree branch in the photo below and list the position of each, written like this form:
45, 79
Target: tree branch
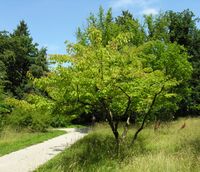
125, 113
145, 116
113, 126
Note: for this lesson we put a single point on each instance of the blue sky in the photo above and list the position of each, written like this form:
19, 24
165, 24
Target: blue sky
52, 22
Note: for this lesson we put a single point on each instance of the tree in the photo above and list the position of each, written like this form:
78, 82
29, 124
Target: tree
127, 23
4, 44
194, 100
117, 79
180, 27
111, 28
20, 55
3, 107
2, 79
102, 21
157, 27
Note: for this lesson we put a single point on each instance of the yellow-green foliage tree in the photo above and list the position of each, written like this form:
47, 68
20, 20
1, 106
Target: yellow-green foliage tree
117, 78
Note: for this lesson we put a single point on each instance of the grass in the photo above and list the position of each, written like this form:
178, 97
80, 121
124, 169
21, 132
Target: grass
170, 149
11, 140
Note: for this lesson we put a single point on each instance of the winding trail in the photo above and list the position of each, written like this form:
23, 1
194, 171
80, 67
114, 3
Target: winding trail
28, 159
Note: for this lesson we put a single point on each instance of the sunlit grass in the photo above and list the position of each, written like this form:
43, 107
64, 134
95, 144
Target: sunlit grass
11, 140
170, 149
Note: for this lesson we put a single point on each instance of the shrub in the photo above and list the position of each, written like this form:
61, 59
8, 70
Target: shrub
25, 115
59, 121
31, 119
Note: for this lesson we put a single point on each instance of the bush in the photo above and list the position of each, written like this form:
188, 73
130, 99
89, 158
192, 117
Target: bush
26, 115
32, 119
59, 121
40, 121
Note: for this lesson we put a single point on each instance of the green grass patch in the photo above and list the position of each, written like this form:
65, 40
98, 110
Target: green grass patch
170, 149
11, 140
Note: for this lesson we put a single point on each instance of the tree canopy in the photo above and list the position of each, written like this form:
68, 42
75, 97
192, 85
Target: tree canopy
117, 79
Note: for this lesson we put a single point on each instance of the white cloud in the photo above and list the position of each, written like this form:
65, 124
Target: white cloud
149, 11
121, 3
127, 3
141, 6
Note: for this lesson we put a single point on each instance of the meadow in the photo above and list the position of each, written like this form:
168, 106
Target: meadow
169, 149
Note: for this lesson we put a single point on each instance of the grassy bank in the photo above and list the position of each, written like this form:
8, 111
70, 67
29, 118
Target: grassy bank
11, 140
170, 149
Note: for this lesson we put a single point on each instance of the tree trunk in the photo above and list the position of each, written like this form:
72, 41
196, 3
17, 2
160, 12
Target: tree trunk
145, 116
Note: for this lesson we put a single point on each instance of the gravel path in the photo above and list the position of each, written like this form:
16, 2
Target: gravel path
28, 159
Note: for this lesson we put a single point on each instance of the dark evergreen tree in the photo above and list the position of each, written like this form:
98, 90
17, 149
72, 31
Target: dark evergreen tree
20, 55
